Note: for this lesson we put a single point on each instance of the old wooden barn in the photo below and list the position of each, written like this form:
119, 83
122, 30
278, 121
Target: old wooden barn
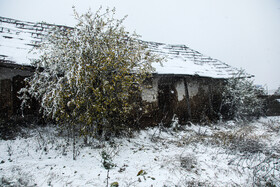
186, 86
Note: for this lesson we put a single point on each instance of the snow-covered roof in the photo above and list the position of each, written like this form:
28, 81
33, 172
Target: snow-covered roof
18, 37
182, 60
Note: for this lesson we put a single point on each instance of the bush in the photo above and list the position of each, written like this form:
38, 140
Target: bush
88, 77
241, 99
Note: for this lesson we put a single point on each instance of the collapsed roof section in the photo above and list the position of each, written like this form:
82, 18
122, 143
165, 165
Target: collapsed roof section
182, 60
17, 38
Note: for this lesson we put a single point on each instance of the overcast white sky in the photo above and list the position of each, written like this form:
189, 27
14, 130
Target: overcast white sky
241, 33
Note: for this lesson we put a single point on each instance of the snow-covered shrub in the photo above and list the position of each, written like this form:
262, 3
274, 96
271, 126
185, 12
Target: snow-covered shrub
241, 99
188, 162
267, 172
88, 77
17, 178
272, 125
238, 141
107, 160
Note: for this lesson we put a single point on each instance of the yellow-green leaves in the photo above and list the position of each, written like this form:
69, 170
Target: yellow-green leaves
91, 73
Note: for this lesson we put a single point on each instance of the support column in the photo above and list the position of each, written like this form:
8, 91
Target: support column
210, 87
188, 100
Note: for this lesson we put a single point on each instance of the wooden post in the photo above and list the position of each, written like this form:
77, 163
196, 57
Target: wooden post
188, 100
210, 87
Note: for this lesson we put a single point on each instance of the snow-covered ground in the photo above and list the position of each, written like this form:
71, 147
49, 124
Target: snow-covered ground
226, 154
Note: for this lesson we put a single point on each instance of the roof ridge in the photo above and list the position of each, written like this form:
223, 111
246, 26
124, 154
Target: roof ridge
16, 21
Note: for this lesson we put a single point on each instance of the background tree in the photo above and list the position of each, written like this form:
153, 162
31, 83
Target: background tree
86, 75
241, 98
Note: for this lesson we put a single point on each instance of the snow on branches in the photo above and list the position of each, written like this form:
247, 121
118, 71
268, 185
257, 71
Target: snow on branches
241, 99
88, 74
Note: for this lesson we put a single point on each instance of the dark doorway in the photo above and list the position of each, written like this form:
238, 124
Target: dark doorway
6, 106
167, 100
